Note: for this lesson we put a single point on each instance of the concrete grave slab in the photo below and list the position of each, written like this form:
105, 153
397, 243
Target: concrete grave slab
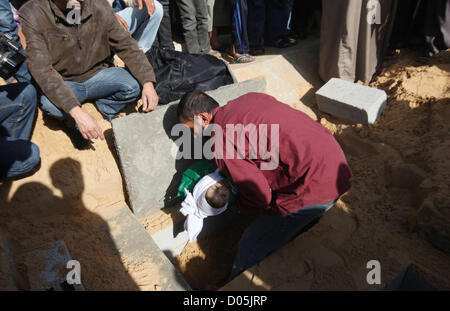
134, 243
350, 101
147, 150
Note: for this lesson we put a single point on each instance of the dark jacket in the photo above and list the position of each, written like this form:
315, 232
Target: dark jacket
178, 73
58, 51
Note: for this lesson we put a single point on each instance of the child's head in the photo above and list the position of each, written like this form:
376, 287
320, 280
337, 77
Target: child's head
218, 194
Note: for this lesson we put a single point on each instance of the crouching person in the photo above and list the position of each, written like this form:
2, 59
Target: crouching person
18, 156
288, 185
70, 46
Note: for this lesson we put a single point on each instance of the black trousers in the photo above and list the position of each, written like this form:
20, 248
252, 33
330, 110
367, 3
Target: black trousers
164, 37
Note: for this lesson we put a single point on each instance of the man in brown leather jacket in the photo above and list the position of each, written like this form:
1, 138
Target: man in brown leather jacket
70, 46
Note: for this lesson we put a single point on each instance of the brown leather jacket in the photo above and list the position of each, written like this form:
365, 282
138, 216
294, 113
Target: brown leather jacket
58, 51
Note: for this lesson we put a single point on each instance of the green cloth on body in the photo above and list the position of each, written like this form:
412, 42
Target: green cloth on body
196, 172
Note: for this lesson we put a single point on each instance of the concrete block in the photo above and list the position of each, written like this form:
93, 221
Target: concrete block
145, 148
137, 246
353, 102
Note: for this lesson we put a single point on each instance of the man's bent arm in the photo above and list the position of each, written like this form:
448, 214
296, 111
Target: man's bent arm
41, 68
254, 195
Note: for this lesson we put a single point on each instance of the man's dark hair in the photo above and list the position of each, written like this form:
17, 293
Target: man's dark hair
193, 103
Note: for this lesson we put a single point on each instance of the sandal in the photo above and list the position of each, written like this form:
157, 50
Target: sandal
241, 59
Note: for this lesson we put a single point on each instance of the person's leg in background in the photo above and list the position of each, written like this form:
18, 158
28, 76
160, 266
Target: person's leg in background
221, 19
436, 28
201, 7
112, 89
301, 11
189, 23
212, 31
18, 155
255, 26
240, 49
143, 27
276, 23
9, 26
268, 233
210, 7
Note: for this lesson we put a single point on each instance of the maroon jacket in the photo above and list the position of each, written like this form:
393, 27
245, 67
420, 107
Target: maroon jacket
312, 167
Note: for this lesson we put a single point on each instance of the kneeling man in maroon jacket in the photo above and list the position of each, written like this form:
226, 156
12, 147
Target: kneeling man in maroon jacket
286, 167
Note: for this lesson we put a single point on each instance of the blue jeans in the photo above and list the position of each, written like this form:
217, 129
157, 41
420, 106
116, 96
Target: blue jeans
111, 89
142, 27
17, 110
267, 21
9, 26
268, 233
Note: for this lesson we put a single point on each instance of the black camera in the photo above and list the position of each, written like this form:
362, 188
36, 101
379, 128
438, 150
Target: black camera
10, 56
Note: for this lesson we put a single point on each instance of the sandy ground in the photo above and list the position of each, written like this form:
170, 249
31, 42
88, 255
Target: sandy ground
399, 202
396, 210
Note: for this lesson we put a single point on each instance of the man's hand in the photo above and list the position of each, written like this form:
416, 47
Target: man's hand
87, 125
149, 4
149, 97
122, 22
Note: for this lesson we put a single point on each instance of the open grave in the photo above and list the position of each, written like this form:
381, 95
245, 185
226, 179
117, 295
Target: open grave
152, 170
147, 150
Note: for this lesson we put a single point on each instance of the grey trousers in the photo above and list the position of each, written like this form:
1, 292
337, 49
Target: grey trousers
194, 18
351, 48
210, 6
